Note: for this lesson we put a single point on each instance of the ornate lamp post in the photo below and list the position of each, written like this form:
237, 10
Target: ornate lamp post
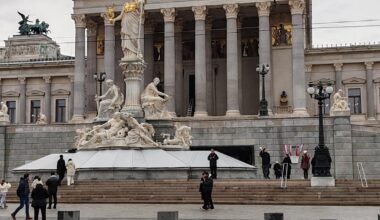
100, 79
263, 69
322, 159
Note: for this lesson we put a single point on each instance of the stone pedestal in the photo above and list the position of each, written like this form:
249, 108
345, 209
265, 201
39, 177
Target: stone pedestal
340, 113
322, 181
133, 72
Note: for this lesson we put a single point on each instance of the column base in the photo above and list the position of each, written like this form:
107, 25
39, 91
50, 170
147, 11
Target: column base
300, 112
77, 119
232, 113
200, 114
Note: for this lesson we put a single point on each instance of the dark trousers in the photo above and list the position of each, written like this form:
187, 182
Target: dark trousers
288, 174
213, 172
24, 200
266, 170
43, 212
61, 176
54, 195
306, 173
207, 201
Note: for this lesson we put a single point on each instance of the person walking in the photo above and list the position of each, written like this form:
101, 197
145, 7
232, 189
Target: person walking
289, 162
201, 186
61, 168
277, 168
265, 162
39, 196
23, 193
52, 184
213, 157
4, 187
305, 165
36, 180
207, 187
70, 167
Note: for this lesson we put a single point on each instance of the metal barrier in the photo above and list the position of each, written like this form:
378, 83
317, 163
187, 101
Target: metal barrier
284, 179
363, 178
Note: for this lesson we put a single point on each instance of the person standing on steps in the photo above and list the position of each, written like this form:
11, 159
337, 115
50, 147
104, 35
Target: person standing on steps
70, 167
201, 186
39, 196
61, 168
4, 187
52, 184
23, 193
265, 161
305, 165
207, 187
213, 157
289, 162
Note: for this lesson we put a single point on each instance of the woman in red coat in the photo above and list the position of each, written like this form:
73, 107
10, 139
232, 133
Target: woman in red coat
305, 164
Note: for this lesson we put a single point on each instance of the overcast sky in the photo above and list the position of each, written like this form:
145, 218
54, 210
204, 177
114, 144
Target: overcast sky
361, 20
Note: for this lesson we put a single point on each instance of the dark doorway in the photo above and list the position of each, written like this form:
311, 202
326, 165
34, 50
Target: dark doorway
192, 92
242, 153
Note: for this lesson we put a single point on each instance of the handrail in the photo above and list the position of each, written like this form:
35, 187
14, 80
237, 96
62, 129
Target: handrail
284, 179
362, 176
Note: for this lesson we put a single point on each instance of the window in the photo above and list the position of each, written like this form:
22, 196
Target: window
326, 106
60, 110
12, 111
35, 107
354, 100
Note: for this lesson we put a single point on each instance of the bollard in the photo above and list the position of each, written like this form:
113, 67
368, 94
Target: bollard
68, 215
167, 215
273, 216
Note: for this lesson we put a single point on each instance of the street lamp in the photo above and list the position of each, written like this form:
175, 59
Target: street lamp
263, 69
100, 79
322, 159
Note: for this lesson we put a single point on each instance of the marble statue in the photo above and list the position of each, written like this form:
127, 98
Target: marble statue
4, 117
131, 18
42, 120
284, 99
181, 138
82, 137
110, 102
139, 134
340, 102
153, 104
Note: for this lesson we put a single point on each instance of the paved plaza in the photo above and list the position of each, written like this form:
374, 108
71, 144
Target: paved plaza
193, 212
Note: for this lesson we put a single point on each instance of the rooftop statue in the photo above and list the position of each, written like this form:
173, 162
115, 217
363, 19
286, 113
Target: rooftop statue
27, 29
110, 102
131, 18
153, 104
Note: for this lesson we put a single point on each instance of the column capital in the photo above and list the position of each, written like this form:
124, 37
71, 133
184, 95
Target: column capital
200, 12
308, 68
178, 26
169, 14
108, 21
232, 10
22, 80
297, 6
369, 65
91, 28
338, 66
263, 8
47, 79
79, 19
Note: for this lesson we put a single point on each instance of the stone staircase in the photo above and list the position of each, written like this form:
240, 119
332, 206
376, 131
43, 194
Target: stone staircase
259, 192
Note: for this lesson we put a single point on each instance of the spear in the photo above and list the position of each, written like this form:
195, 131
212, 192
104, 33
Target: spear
140, 22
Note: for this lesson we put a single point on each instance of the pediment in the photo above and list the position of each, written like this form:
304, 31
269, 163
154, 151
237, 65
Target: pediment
35, 93
60, 92
377, 80
354, 80
11, 94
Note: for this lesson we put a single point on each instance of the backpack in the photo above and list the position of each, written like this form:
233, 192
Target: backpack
19, 191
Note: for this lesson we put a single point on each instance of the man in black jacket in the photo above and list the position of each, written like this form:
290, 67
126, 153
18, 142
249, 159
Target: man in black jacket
23, 193
207, 186
61, 168
52, 184
265, 157
213, 157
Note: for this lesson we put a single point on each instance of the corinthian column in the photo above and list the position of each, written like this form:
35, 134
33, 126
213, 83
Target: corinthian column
338, 75
109, 48
169, 59
370, 96
79, 70
47, 110
200, 61
263, 10
179, 102
298, 40
232, 11
91, 67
